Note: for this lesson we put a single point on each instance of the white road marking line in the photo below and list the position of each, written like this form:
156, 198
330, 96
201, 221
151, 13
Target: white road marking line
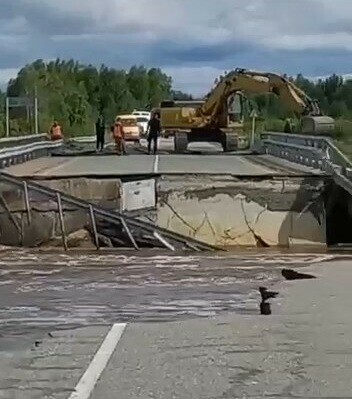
248, 162
156, 164
61, 165
86, 384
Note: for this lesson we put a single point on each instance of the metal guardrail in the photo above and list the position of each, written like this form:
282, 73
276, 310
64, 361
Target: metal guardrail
317, 152
16, 150
313, 151
83, 139
7, 142
22, 153
325, 146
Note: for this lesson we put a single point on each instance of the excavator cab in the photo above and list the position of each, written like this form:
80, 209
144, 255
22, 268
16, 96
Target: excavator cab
236, 108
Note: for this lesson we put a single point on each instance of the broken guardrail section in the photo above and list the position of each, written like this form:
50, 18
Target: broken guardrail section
108, 228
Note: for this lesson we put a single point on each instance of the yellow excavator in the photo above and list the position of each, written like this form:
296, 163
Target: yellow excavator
210, 119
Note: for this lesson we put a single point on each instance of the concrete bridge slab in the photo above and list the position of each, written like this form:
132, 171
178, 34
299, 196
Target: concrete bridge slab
111, 165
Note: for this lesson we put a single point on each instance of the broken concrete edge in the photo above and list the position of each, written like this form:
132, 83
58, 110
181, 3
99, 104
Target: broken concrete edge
236, 219
133, 176
81, 207
301, 195
259, 213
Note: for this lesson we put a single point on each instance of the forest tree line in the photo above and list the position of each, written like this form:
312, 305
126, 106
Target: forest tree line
74, 94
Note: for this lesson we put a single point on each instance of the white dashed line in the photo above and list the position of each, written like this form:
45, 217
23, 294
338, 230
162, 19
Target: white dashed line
156, 164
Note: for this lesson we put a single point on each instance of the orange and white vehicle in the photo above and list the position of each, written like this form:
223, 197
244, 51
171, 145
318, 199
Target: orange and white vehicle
131, 127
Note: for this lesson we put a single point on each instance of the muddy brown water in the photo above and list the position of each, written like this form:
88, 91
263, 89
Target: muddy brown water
46, 291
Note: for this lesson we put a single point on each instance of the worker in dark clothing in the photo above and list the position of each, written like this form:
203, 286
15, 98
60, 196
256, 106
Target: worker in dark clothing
100, 132
154, 129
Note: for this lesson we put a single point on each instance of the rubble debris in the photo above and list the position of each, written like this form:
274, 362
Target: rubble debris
290, 274
113, 235
77, 239
267, 294
265, 308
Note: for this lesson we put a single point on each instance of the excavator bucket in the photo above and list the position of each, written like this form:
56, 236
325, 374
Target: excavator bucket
318, 125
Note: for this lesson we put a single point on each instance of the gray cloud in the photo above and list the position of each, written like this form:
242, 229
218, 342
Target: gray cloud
312, 36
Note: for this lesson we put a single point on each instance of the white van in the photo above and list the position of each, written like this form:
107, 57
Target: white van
143, 118
142, 113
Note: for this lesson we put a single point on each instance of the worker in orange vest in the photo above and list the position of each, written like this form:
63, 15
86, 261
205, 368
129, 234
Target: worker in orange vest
56, 132
119, 137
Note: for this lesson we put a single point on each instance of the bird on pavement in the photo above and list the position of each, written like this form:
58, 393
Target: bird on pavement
267, 294
290, 274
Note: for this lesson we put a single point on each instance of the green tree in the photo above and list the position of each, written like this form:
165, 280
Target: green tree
74, 94
180, 96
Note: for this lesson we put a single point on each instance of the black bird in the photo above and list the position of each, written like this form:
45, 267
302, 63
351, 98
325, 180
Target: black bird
37, 343
267, 294
290, 274
50, 335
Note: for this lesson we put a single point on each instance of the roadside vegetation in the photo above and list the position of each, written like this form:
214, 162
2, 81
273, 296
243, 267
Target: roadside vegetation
74, 94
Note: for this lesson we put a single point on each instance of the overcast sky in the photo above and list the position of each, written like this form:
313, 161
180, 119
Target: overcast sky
193, 40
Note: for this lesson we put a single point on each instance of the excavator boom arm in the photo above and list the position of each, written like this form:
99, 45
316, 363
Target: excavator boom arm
252, 82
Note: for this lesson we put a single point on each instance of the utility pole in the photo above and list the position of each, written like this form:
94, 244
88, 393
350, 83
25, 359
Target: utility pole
254, 117
7, 117
36, 110
28, 109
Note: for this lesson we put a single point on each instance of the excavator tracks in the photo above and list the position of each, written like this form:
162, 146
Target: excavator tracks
230, 142
181, 142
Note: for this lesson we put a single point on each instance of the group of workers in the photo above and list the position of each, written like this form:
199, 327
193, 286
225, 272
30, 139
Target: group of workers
118, 134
